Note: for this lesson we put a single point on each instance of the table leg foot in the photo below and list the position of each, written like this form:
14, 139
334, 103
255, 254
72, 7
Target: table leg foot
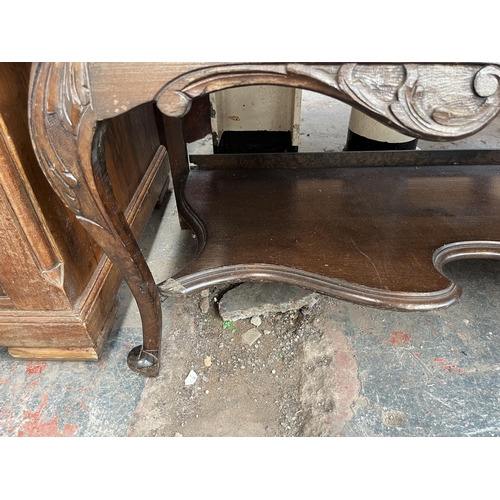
146, 362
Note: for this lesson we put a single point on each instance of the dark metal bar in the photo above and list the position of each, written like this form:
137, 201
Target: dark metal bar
347, 159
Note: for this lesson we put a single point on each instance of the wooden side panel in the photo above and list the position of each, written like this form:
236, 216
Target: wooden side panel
87, 325
77, 250
31, 272
20, 272
131, 143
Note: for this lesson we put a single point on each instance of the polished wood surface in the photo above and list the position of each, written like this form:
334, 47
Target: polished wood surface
375, 228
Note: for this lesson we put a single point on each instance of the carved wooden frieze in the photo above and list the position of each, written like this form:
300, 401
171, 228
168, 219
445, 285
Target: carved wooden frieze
428, 101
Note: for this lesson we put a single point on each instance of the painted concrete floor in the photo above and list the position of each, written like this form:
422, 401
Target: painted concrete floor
422, 374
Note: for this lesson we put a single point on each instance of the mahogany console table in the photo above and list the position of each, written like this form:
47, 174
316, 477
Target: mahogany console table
374, 228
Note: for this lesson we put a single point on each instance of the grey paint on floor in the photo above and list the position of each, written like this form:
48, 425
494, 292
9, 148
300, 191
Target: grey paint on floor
438, 371
422, 374
71, 398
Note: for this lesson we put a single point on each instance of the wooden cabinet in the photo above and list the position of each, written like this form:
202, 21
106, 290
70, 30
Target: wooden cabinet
57, 288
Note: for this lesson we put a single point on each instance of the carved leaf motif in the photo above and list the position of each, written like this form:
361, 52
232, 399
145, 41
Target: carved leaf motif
435, 101
74, 95
67, 99
58, 175
373, 86
64, 119
445, 103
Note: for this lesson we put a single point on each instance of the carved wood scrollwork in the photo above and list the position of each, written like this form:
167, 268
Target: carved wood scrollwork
175, 98
436, 101
63, 122
427, 101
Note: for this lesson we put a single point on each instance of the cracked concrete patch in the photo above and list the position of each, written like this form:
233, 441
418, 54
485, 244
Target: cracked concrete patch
329, 381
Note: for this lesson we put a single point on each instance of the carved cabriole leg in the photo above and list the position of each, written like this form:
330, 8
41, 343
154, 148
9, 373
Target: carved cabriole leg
122, 248
70, 148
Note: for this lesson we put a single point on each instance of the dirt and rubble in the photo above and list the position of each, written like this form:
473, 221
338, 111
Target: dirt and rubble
292, 375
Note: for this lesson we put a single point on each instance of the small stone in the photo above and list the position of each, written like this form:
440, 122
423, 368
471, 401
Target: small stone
257, 299
256, 321
267, 332
273, 371
207, 391
178, 435
394, 418
362, 402
205, 293
191, 378
208, 361
251, 336
204, 305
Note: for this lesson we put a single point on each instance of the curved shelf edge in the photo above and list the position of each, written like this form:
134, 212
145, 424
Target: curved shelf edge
359, 294
465, 250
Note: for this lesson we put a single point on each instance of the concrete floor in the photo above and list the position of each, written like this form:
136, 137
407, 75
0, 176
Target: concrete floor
422, 374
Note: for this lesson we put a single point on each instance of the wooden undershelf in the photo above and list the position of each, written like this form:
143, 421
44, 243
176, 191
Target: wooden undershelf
374, 235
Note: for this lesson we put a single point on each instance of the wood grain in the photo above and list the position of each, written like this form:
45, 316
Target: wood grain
372, 232
54, 354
